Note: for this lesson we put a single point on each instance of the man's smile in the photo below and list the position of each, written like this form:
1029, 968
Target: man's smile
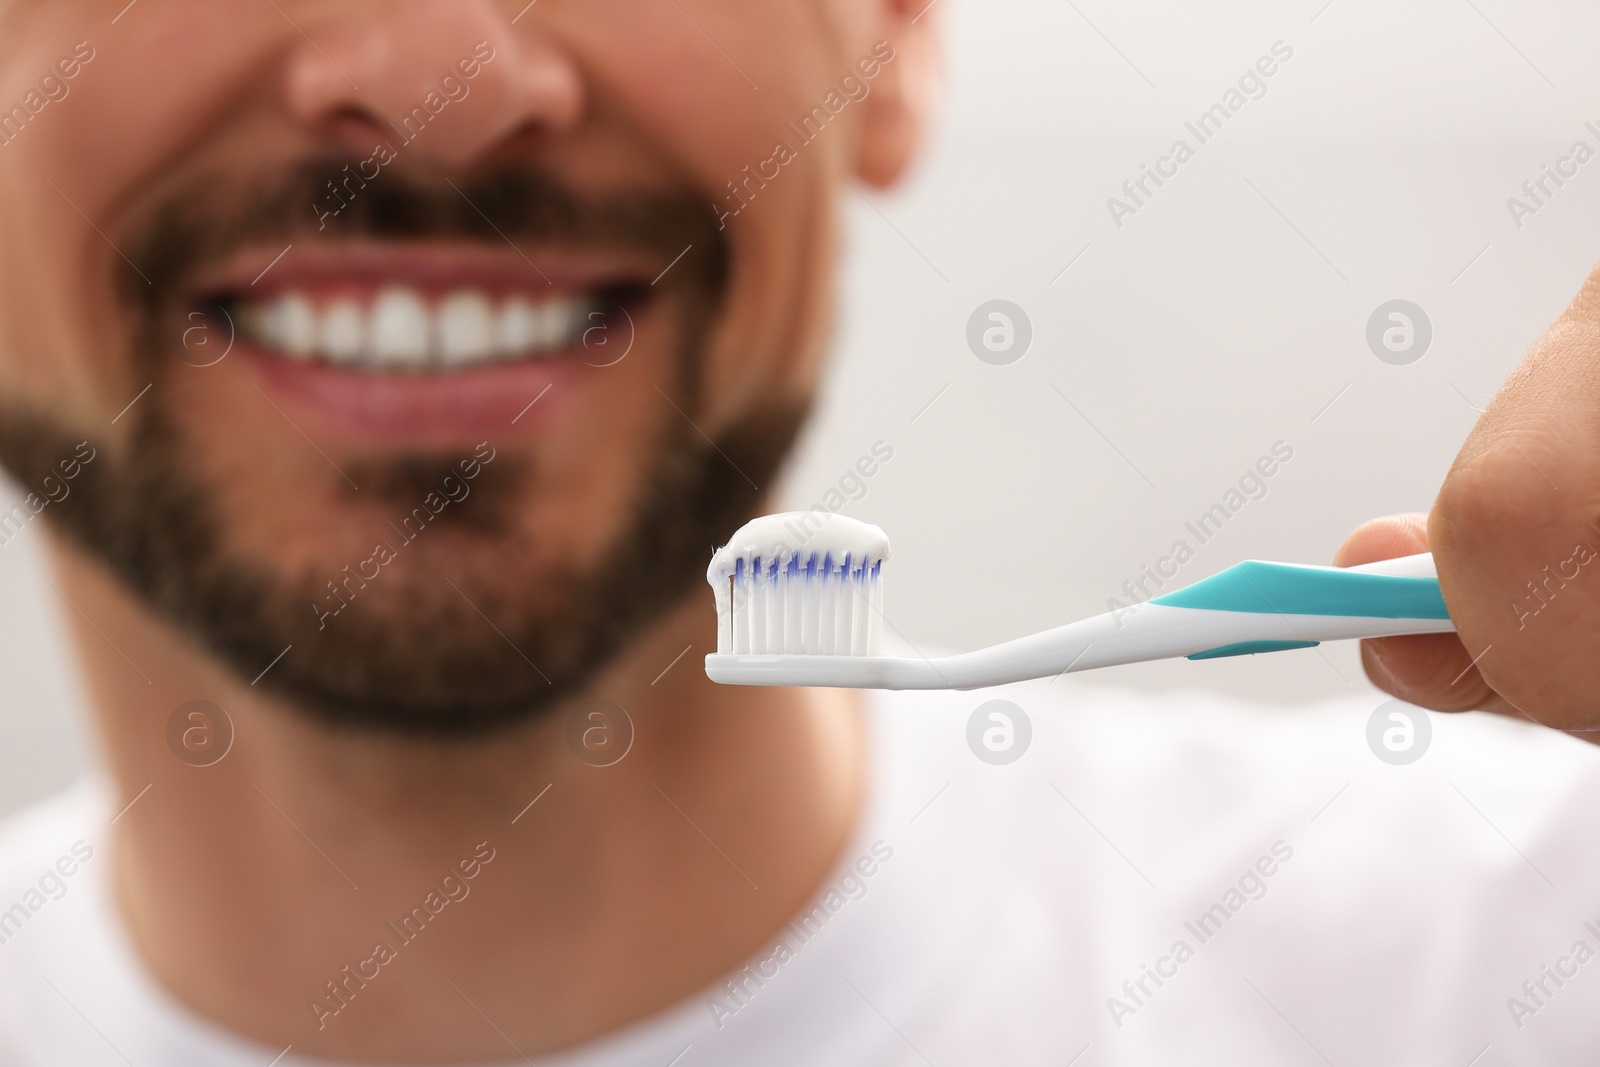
404, 338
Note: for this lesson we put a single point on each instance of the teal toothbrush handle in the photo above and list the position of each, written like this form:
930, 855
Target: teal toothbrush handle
1405, 588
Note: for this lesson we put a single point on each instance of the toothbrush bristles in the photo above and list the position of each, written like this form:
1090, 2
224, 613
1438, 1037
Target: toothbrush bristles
815, 607
822, 600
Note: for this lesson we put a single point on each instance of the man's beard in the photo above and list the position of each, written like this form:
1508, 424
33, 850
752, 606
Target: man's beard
408, 650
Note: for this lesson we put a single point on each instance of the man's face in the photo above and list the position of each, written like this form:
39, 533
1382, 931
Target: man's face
427, 337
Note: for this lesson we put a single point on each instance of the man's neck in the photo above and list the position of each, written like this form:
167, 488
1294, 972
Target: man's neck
369, 897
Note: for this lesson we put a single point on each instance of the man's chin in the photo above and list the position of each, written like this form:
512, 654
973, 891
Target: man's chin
427, 662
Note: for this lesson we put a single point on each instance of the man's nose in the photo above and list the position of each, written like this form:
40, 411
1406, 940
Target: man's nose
450, 80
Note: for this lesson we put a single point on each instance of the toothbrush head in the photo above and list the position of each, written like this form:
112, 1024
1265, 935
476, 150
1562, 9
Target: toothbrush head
800, 583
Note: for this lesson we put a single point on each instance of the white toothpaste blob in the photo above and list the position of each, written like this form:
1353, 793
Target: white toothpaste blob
800, 583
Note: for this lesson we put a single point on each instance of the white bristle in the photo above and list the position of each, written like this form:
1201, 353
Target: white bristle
801, 583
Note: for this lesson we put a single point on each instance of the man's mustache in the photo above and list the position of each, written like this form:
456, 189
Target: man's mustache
215, 215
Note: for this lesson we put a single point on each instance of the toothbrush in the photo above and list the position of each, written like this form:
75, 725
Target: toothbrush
800, 602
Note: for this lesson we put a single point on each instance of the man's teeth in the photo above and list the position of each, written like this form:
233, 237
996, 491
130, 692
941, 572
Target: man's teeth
466, 328
398, 330
342, 333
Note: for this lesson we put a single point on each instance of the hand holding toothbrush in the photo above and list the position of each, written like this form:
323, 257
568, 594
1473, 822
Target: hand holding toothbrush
1515, 534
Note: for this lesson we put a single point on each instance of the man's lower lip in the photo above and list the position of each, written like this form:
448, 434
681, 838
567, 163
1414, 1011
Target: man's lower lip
479, 402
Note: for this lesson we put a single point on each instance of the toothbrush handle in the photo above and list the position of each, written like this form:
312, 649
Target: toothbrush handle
1251, 607
1404, 588
1286, 605
1417, 566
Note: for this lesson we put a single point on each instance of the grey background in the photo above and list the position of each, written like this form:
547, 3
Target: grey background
1226, 315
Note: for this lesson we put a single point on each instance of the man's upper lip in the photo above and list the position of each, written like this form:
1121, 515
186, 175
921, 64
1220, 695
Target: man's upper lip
425, 265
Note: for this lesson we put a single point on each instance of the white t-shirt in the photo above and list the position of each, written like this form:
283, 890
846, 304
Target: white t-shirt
1156, 880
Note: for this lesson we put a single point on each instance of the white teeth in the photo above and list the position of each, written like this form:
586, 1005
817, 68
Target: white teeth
399, 331
557, 315
466, 328
289, 324
521, 326
399, 328
342, 334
